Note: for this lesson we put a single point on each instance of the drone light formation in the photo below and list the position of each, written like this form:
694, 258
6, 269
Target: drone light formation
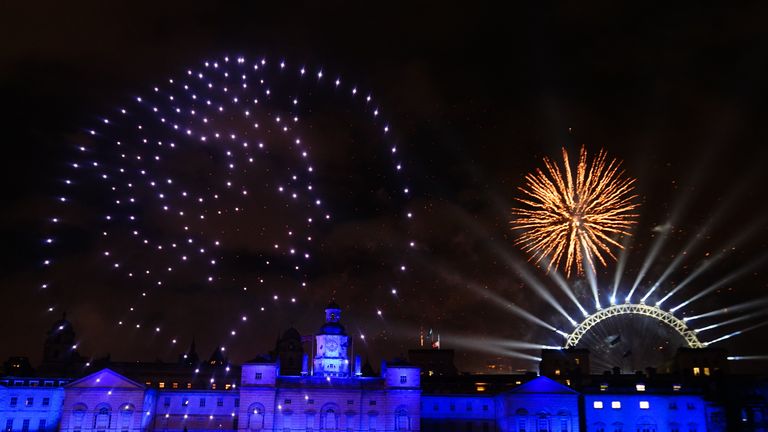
216, 160
573, 218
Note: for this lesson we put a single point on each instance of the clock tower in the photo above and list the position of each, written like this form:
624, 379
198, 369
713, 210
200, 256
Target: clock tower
331, 345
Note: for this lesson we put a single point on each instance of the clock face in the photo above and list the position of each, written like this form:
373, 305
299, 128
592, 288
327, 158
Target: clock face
331, 346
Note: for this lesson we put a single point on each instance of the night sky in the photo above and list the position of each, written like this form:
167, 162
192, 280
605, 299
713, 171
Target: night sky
475, 98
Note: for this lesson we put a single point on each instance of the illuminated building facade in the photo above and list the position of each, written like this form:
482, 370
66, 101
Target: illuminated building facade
286, 391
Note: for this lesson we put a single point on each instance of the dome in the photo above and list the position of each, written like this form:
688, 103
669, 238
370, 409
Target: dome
291, 333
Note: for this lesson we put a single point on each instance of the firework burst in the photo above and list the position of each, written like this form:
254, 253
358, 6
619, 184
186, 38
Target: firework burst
575, 217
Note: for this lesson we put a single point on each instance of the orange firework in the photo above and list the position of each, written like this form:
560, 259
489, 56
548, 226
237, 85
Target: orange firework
579, 217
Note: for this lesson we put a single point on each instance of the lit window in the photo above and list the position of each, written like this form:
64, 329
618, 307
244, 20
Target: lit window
696, 371
603, 387
189, 385
676, 387
706, 371
480, 388
557, 371
597, 404
577, 360
161, 385
640, 387
175, 385
644, 405
615, 404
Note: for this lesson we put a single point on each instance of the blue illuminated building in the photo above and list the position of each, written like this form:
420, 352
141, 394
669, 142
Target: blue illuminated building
328, 389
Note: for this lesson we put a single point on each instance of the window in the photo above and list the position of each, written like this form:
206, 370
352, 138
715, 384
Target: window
557, 372
237, 402
189, 385
640, 387
9, 425
676, 387
257, 376
372, 402
175, 385
603, 387
453, 406
48, 383
435, 407
161, 384
692, 427
674, 427
25, 425
29, 401
644, 405
564, 424
616, 404
46, 401
485, 407
311, 401
597, 404
167, 402
220, 402
696, 371
14, 401
403, 379
41, 425
202, 402
286, 402
706, 371
350, 402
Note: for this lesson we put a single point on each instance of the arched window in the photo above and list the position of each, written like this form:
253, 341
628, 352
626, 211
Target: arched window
598, 427
126, 417
542, 422
78, 415
102, 418
330, 418
693, 427
674, 427
256, 417
618, 427
646, 424
402, 422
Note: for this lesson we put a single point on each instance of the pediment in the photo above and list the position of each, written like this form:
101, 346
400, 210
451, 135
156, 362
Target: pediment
105, 378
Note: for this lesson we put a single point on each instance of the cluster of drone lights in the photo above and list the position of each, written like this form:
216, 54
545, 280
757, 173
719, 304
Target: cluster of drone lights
176, 175
573, 220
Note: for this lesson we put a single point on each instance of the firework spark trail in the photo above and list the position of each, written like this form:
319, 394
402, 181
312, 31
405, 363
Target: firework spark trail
575, 217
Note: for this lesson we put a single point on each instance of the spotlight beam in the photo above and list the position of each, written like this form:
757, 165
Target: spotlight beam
520, 267
748, 357
700, 235
509, 306
563, 285
622, 262
680, 206
735, 275
730, 309
731, 321
744, 235
736, 333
